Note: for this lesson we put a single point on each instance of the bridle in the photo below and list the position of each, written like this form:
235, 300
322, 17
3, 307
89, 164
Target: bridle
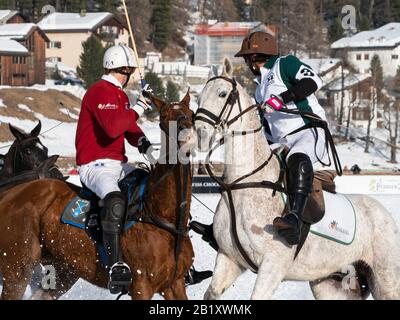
218, 123
179, 230
18, 151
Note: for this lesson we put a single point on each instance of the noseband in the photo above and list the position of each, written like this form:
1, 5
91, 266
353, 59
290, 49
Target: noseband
217, 121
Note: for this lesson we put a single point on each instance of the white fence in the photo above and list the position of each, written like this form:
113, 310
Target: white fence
374, 184
179, 69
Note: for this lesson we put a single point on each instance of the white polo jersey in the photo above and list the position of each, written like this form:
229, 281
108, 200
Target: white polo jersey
277, 76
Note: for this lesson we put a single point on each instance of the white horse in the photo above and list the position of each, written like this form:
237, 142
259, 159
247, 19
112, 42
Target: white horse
377, 239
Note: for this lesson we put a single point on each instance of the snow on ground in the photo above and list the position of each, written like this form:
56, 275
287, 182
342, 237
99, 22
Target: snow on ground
77, 91
2, 105
60, 140
24, 107
69, 114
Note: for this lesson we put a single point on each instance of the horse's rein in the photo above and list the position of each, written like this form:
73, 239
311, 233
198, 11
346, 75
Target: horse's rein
217, 122
179, 230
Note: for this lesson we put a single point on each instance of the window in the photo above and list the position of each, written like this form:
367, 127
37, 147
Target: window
54, 59
18, 60
358, 56
395, 56
54, 44
366, 56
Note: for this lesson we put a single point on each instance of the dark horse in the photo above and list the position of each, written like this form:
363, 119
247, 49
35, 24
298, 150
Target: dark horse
31, 232
26, 160
25, 154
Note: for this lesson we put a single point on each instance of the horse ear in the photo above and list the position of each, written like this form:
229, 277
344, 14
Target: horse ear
228, 68
19, 135
157, 102
35, 132
213, 71
186, 99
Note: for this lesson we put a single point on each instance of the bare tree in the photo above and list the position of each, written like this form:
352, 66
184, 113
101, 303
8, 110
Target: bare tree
392, 116
371, 116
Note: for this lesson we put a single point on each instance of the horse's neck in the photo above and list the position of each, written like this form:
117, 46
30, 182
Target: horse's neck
166, 196
245, 153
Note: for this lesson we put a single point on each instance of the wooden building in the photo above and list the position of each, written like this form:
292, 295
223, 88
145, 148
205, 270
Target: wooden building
13, 66
11, 16
30, 69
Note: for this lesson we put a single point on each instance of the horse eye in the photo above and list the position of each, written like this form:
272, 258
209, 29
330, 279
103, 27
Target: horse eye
223, 94
28, 151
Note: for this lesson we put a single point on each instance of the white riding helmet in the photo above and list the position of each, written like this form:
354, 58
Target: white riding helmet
118, 56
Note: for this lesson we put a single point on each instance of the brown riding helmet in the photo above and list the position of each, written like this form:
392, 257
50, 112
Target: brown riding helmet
259, 42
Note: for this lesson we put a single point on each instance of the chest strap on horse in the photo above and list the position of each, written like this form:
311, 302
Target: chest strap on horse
238, 185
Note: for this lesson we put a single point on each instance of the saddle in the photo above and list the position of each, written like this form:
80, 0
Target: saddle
84, 211
315, 208
323, 181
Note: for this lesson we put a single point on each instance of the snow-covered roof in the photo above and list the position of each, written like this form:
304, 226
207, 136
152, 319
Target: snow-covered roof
73, 21
5, 15
322, 65
385, 36
226, 28
8, 47
16, 30
349, 81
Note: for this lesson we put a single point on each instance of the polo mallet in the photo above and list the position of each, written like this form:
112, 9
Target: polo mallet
142, 81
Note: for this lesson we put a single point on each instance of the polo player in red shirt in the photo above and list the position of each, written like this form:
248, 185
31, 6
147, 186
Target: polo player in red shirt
105, 121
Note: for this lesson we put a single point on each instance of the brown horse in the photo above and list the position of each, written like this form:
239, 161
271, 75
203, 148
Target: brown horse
31, 232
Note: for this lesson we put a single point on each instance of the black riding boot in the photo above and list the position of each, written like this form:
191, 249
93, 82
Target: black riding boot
112, 221
206, 231
300, 182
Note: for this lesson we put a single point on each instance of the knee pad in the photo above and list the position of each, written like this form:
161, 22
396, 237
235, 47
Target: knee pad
113, 212
301, 173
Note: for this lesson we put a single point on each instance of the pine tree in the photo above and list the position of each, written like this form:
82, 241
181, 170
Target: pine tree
335, 30
161, 22
91, 61
172, 93
377, 75
156, 84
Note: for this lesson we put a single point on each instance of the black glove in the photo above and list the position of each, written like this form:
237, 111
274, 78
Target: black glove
147, 92
143, 145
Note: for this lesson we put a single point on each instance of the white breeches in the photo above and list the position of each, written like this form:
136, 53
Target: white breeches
304, 142
102, 176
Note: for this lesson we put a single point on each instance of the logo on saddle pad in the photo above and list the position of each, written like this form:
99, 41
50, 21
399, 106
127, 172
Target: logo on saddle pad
339, 221
334, 225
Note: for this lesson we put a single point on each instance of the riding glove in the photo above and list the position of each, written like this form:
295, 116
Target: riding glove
274, 103
143, 145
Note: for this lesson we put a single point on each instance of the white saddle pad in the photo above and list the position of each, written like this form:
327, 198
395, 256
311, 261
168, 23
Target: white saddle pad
339, 222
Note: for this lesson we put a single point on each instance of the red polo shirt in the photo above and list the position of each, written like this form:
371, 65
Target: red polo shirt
105, 120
